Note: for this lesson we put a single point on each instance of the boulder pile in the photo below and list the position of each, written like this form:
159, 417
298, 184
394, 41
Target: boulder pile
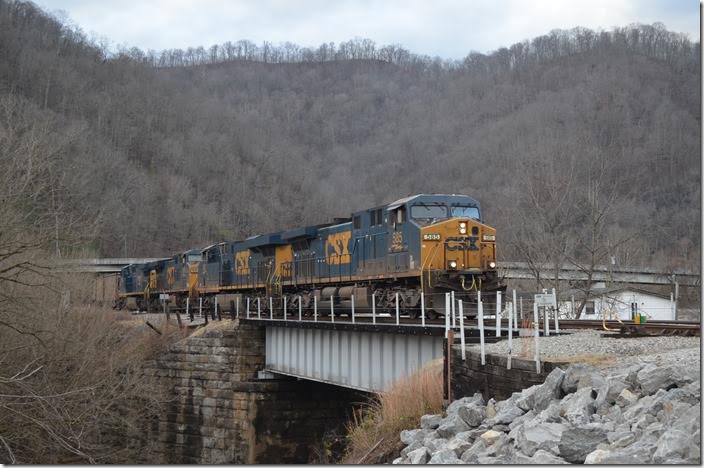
637, 413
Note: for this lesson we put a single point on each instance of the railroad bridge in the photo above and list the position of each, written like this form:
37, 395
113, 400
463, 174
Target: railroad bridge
266, 390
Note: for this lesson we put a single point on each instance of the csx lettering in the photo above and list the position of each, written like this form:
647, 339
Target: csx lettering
462, 243
171, 275
337, 248
242, 262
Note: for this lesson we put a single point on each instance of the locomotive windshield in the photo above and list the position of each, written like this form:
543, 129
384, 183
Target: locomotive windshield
465, 212
428, 212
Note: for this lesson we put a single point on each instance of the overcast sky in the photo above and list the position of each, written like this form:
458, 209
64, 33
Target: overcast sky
446, 28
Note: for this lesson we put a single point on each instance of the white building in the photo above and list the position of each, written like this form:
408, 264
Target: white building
623, 303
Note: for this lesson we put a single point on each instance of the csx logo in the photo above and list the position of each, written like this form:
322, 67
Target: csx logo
337, 248
171, 275
462, 243
242, 262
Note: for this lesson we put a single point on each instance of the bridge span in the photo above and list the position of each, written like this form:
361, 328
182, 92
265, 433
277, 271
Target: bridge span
364, 350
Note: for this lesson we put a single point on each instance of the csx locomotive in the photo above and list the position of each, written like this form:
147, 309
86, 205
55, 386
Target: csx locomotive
422, 244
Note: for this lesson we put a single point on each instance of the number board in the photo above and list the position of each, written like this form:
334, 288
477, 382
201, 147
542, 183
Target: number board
431, 237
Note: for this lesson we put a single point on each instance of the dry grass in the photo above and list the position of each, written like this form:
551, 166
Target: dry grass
373, 433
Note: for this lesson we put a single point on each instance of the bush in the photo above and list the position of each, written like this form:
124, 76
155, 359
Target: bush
71, 383
374, 431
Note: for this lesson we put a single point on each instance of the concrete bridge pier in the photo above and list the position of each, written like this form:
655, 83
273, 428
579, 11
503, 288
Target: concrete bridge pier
218, 410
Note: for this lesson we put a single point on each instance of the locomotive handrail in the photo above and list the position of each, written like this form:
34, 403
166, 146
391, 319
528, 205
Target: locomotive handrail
422, 267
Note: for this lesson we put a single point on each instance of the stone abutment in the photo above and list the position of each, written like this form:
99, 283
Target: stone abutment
217, 410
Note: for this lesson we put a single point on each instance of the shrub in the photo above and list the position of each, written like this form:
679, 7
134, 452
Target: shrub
374, 431
72, 388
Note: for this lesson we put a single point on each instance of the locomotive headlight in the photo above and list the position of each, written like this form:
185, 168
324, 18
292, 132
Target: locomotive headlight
463, 228
492, 264
453, 264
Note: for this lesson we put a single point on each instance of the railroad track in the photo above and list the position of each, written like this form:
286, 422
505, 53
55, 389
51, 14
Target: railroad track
655, 327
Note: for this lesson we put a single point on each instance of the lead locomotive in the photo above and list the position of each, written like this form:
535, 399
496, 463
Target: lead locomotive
423, 244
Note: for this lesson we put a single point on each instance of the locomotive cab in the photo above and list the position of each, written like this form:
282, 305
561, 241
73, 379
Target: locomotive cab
443, 238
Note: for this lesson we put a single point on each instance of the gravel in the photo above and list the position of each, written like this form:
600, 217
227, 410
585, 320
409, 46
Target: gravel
658, 349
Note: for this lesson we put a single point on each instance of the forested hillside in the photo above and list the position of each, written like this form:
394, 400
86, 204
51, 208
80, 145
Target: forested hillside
582, 145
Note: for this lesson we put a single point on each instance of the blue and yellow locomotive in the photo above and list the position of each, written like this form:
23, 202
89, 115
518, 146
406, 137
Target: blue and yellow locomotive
422, 244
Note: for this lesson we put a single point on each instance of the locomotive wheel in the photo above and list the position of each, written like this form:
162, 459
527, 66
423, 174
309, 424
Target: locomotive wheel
414, 314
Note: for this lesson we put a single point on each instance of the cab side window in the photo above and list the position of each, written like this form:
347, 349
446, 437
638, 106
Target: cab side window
357, 222
398, 217
401, 215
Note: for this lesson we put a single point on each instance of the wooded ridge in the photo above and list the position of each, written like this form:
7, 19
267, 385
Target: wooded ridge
581, 145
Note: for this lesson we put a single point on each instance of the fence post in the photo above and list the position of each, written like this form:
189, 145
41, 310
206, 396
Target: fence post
536, 326
285, 304
480, 319
557, 310
374, 308
498, 313
448, 359
300, 309
514, 311
237, 307
215, 311
259, 308
247, 307
187, 308
200, 307
396, 308
461, 318
332, 310
521, 309
452, 307
510, 335
675, 298
315, 308
352, 307
271, 308
422, 309
546, 320
447, 313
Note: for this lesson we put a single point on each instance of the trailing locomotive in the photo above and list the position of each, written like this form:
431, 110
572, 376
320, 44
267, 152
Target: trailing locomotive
423, 244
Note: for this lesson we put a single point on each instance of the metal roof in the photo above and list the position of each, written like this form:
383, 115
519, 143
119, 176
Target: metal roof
303, 233
403, 201
264, 240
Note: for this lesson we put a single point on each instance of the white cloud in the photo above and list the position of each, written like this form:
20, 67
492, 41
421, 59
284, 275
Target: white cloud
448, 28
